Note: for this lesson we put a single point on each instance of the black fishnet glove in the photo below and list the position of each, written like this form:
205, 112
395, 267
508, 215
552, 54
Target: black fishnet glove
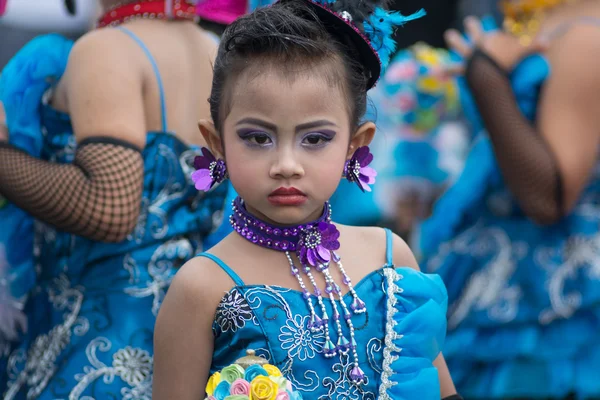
98, 196
453, 397
527, 163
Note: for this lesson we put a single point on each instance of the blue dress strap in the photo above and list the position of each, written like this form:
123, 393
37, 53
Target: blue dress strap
163, 104
234, 277
389, 248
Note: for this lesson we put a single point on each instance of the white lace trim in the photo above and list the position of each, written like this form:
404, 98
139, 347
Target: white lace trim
391, 336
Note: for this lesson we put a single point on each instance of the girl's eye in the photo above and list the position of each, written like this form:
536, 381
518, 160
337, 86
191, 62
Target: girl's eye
254, 138
316, 139
260, 139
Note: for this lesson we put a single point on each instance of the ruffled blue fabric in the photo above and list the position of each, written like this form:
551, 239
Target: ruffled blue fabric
418, 304
23, 82
525, 302
481, 172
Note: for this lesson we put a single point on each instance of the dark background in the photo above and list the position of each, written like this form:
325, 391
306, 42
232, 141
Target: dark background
441, 14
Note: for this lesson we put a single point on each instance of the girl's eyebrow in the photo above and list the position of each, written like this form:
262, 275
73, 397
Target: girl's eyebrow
314, 124
259, 122
272, 127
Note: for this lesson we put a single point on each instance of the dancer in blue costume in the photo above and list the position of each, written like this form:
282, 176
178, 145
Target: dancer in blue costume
107, 181
516, 240
288, 96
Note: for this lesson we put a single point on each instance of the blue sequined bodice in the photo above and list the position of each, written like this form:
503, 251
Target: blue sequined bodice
398, 337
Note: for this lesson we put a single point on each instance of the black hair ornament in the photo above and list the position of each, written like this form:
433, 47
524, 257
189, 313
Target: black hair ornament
369, 25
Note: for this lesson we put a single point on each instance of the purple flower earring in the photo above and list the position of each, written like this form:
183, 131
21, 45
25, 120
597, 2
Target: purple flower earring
357, 169
209, 171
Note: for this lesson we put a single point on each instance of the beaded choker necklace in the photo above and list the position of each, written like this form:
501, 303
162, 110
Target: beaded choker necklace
182, 10
315, 244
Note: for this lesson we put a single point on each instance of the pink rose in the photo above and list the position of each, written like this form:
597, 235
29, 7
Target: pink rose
211, 398
240, 386
282, 395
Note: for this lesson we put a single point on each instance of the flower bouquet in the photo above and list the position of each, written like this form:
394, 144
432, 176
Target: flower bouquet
250, 378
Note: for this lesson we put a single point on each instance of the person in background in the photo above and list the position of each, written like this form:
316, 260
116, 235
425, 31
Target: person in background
516, 238
101, 139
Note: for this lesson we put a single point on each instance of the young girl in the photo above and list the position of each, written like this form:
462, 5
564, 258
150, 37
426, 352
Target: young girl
322, 302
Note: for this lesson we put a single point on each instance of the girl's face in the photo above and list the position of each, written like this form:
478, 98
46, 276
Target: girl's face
286, 142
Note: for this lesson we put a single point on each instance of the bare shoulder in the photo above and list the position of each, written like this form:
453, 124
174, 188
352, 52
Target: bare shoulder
183, 338
208, 42
101, 54
100, 44
374, 240
200, 284
577, 52
403, 255
104, 88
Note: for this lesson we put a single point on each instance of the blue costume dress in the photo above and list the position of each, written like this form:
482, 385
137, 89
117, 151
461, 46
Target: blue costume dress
398, 337
524, 299
93, 307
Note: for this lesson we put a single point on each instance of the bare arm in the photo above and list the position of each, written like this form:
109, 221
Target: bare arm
546, 165
404, 256
3, 129
98, 195
446, 384
569, 111
183, 339
104, 86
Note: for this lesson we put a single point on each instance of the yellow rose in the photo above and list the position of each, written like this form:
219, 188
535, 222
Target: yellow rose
213, 382
272, 370
263, 388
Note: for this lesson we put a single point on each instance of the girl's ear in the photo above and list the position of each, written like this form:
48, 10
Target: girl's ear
211, 137
363, 137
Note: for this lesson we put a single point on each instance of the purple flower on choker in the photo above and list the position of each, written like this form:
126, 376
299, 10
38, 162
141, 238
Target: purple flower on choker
316, 244
209, 171
357, 169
